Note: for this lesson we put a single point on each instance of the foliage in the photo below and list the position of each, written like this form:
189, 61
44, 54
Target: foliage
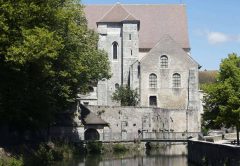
222, 99
44, 155
126, 96
11, 161
206, 77
47, 56
94, 147
118, 148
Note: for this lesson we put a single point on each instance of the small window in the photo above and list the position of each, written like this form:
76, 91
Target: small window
131, 52
116, 86
152, 101
153, 80
176, 80
164, 61
130, 37
115, 50
86, 103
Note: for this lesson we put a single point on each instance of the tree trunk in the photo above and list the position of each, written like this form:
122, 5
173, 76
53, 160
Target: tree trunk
237, 127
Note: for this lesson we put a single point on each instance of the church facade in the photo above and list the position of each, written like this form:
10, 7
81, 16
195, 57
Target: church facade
148, 49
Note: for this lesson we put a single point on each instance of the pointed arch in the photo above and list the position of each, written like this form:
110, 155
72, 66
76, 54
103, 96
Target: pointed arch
115, 50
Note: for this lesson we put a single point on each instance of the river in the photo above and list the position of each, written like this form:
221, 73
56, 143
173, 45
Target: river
169, 155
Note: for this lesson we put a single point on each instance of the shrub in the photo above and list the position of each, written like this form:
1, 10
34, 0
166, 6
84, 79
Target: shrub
94, 147
11, 161
119, 148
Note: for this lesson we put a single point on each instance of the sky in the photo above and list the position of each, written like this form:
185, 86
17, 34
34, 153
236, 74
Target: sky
213, 26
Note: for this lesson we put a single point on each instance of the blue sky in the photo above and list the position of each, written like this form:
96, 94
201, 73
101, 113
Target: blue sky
213, 26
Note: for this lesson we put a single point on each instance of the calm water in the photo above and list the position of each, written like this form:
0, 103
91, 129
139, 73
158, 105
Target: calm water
174, 155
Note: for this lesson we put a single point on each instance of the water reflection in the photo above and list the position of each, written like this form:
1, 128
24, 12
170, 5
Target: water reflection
174, 155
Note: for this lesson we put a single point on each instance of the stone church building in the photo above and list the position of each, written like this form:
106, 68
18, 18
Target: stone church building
148, 49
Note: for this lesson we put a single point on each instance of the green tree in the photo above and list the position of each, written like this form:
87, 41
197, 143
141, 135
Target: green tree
126, 96
222, 100
47, 56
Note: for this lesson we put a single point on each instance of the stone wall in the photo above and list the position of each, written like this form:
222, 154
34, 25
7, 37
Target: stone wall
168, 96
207, 153
149, 119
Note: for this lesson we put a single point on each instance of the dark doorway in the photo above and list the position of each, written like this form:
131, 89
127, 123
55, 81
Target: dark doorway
152, 101
91, 134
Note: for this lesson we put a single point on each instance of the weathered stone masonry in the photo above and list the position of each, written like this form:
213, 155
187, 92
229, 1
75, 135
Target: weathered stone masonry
132, 119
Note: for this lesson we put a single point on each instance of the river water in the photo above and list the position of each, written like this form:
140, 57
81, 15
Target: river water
170, 155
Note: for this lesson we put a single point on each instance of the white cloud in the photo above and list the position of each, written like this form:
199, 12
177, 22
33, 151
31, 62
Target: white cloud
219, 37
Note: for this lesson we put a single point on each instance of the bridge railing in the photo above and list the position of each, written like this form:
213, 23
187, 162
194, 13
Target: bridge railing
169, 135
124, 136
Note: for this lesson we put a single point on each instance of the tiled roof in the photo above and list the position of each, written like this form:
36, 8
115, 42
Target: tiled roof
89, 118
117, 14
155, 21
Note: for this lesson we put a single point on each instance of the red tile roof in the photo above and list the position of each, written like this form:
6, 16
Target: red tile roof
155, 21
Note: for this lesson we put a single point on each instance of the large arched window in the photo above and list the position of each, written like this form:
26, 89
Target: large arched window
176, 80
153, 80
115, 50
164, 61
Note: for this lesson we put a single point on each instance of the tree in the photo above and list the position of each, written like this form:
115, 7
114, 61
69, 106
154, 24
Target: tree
47, 56
222, 100
126, 96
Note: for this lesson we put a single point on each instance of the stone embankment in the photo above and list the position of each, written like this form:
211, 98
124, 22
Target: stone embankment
214, 154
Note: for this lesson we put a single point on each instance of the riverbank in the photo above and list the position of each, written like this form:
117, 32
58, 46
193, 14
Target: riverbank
49, 152
208, 153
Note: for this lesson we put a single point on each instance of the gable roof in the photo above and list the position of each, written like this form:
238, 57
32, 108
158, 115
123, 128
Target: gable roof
89, 118
156, 20
165, 44
117, 14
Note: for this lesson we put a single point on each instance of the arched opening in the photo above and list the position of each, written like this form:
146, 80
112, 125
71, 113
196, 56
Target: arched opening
116, 86
176, 80
164, 61
91, 134
115, 50
153, 80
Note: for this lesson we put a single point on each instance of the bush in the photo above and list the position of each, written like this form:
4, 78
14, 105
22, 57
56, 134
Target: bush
11, 161
119, 148
44, 155
94, 147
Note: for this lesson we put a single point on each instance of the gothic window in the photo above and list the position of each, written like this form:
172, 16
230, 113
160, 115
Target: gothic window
130, 37
164, 61
176, 80
115, 50
152, 101
131, 52
153, 80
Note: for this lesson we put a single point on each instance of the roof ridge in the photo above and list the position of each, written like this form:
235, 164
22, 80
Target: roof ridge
176, 4
107, 12
118, 7
129, 14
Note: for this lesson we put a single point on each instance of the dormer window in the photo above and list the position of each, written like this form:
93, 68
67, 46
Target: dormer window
164, 61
